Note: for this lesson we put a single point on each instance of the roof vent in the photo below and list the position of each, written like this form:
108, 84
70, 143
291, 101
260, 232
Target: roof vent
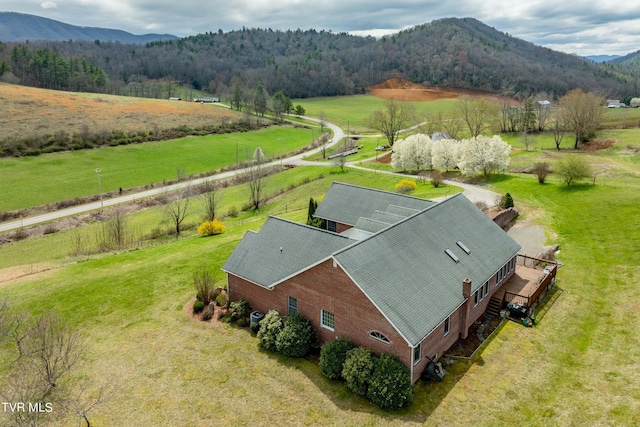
463, 247
452, 255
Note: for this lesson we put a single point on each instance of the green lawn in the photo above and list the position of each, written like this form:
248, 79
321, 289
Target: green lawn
34, 181
353, 112
579, 365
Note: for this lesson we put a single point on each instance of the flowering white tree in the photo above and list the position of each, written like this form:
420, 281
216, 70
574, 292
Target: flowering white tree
483, 154
412, 153
445, 154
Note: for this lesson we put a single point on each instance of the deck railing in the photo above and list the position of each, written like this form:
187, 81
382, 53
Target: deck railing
547, 276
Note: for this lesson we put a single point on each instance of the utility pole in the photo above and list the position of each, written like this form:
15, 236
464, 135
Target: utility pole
100, 186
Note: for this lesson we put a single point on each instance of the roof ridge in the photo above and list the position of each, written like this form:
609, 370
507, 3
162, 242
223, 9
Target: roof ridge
307, 226
381, 191
384, 230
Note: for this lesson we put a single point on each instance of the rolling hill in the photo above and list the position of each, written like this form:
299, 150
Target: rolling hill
452, 52
22, 27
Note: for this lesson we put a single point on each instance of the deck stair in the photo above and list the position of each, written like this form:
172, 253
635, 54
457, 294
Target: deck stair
494, 306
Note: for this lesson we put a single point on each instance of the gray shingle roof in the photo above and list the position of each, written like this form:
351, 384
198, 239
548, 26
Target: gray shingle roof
406, 273
346, 203
258, 257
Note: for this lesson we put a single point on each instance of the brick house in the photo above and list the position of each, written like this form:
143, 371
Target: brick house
393, 273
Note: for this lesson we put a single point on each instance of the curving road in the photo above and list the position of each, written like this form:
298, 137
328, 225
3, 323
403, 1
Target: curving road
338, 134
473, 193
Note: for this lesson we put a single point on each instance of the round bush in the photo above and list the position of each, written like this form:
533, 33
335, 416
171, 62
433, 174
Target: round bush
357, 370
296, 337
270, 327
332, 357
198, 306
221, 300
390, 385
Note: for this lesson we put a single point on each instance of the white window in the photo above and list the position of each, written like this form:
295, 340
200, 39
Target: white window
475, 298
447, 325
326, 319
486, 287
380, 337
416, 353
292, 305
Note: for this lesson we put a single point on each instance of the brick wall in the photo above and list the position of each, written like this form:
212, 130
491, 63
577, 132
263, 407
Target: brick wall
328, 288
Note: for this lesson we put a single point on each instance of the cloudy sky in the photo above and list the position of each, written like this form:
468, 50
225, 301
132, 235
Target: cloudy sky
584, 27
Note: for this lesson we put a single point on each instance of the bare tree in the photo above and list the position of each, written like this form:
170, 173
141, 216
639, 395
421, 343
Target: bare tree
84, 399
476, 113
341, 162
582, 113
176, 206
558, 129
542, 170
323, 119
48, 349
452, 126
255, 177
528, 140
210, 199
390, 121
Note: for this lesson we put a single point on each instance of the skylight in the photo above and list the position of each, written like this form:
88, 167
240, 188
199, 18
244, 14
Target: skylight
452, 255
463, 247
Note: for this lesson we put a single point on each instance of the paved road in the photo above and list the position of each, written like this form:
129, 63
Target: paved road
338, 134
473, 193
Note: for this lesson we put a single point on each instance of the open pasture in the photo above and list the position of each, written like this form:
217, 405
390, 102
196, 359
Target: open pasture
33, 181
29, 111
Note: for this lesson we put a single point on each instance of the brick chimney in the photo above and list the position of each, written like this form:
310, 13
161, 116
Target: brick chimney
465, 309
466, 288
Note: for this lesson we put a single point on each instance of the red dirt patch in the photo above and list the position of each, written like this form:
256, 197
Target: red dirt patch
599, 144
404, 90
384, 159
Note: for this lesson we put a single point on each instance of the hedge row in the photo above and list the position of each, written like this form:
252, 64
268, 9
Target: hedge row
383, 380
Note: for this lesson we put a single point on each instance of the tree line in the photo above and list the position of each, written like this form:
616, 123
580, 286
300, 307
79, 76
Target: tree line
448, 53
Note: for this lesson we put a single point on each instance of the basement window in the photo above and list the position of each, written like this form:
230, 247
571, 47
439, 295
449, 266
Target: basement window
452, 255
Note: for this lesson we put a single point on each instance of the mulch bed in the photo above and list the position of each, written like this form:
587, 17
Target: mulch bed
466, 347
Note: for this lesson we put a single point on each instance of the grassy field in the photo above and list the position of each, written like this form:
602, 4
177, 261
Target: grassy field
168, 369
30, 111
33, 181
579, 365
353, 112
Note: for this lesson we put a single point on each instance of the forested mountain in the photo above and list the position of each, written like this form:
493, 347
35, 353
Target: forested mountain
22, 27
448, 52
631, 60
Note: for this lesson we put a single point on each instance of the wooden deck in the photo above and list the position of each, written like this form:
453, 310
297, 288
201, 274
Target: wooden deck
528, 283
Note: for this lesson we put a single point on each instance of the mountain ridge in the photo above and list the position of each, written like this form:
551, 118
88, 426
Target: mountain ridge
20, 27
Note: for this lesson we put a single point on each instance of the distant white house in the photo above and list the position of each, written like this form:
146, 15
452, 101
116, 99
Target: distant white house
544, 103
615, 103
205, 100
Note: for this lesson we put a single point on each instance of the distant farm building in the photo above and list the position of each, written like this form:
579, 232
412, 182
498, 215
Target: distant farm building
206, 100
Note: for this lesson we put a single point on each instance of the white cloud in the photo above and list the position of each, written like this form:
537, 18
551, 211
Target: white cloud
49, 5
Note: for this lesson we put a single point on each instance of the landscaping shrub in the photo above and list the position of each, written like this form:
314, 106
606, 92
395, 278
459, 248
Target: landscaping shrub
390, 385
204, 282
255, 327
506, 201
221, 300
208, 312
332, 357
358, 367
233, 212
436, 178
211, 228
296, 337
406, 186
238, 309
270, 327
198, 306
242, 322
541, 170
